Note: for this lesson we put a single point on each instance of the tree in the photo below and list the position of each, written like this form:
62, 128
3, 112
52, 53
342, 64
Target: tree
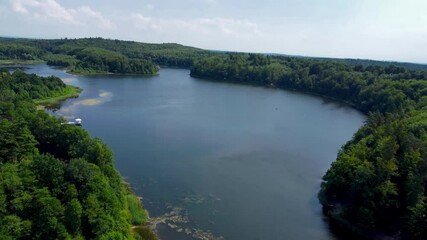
73, 215
16, 142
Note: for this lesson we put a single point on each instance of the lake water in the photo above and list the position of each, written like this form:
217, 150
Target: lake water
212, 159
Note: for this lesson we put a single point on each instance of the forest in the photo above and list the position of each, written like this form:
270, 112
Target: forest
164, 54
97, 55
377, 185
98, 60
56, 182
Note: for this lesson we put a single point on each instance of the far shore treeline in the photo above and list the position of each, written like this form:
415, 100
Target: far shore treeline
378, 184
96, 55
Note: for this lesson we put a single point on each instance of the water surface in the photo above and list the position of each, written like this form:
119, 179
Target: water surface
229, 161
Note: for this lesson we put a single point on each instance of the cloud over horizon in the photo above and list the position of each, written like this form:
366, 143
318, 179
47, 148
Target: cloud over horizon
383, 30
51, 10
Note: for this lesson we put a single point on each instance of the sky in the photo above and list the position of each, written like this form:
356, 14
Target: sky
367, 29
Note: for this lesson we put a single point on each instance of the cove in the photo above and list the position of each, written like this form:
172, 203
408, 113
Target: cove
220, 160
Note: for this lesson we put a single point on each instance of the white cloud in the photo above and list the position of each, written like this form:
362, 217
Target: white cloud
205, 26
142, 22
382, 29
43, 9
229, 26
210, 33
17, 7
49, 10
103, 22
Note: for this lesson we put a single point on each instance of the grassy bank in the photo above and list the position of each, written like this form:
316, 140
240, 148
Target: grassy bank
19, 61
68, 92
138, 216
79, 71
84, 72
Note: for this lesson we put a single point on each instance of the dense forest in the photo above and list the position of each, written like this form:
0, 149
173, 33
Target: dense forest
379, 181
166, 54
377, 185
56, 182
99, 60
14, 51
371, 88
97, 55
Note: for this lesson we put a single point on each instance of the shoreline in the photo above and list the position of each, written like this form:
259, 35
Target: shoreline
88, 73
7, 62
142, 230
70, 69
95, 73
294, 90
73, 92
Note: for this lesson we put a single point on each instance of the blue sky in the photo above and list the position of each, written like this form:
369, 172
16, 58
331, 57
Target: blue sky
374, 29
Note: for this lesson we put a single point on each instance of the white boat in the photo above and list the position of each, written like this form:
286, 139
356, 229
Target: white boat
77, 122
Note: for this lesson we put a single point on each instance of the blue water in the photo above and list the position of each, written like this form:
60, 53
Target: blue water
238, 162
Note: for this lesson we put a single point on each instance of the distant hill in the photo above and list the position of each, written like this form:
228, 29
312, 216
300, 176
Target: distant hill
367, 62
169, 54
363, 62
98, 55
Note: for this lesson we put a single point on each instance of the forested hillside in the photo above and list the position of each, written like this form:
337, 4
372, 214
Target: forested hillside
14, 51
378, 184
369, 88
65, 52
97, 55
98, 60
56, 182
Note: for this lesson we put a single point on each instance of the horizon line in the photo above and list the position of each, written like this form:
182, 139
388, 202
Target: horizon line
230, 51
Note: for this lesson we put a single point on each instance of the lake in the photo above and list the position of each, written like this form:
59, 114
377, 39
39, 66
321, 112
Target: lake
216, 160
